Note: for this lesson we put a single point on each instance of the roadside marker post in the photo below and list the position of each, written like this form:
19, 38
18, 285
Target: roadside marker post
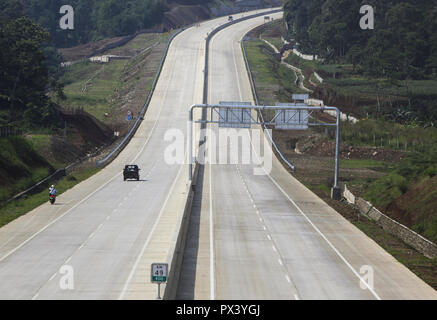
159, 274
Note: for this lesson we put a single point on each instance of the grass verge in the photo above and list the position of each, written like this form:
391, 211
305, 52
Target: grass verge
27, 203
316, 173
108, 90
274, 82
97, 88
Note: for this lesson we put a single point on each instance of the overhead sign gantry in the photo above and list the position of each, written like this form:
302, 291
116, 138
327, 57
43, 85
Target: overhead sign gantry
287, 116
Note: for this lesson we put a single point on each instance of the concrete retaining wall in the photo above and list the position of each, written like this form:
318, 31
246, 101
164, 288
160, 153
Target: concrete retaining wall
421, 244
318, 77
349, 195
308, 57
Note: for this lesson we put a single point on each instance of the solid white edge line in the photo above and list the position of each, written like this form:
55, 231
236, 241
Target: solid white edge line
211, 238
328, 242
241, 175
211, 213
58, 218
246, 186
211, 216
237, 73
92, 193
83, 244
311, 223
86, 198
53, 276
149, 237
317, 229
211, 229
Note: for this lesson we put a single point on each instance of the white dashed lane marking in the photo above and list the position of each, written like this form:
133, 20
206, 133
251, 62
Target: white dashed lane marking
269, 237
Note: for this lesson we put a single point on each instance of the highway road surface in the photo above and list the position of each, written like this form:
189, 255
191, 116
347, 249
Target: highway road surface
99, 239
268, 236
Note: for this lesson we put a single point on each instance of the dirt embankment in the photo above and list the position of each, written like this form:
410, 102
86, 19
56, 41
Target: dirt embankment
180, 16
20, 166
354, 104
417, 206
81, 136
320, 147
86, 50
312, 152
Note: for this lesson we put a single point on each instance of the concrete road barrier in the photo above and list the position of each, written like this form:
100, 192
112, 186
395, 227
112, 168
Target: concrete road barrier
176, 254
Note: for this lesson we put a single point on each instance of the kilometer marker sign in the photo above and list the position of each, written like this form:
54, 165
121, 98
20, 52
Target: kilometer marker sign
159, 272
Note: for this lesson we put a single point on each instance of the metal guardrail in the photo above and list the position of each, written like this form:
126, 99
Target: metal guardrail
206, 71
121, 42
62, 172
10, 132
135, 126
255, 95
57, 174
214, 32
169, 292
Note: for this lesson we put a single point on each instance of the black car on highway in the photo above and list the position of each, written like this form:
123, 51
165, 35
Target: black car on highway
131, 171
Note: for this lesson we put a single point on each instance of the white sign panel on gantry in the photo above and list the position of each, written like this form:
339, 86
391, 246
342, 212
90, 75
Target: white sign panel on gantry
293, 119
300, 97
234, 117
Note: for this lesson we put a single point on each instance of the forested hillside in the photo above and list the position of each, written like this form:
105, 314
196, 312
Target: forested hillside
387, 76
30, 35
95, 19
403, 44
24, 71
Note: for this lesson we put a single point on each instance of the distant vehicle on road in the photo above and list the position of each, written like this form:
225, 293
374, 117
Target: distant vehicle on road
131, 171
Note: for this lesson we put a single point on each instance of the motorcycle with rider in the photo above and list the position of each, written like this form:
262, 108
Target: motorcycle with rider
52, 194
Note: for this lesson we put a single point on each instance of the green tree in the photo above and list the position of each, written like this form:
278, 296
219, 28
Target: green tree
24, 77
